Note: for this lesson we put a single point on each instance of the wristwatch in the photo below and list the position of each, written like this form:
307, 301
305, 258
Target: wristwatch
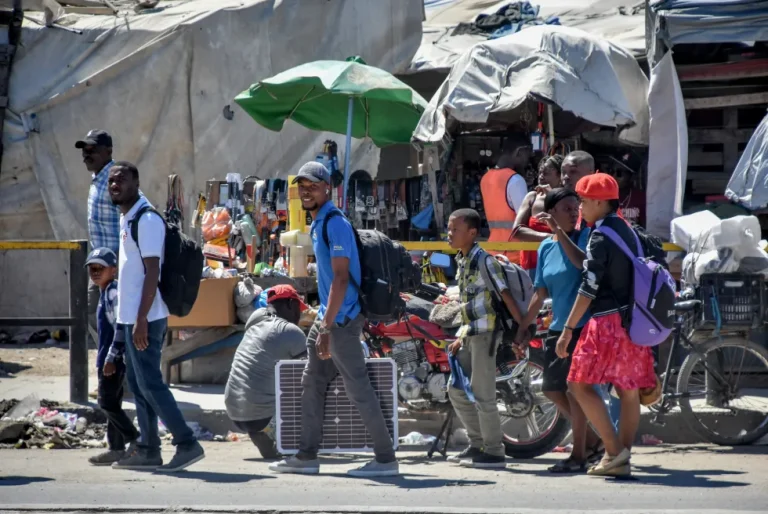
322, 330
566, 327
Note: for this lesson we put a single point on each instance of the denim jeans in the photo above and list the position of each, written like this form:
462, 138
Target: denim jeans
152, 396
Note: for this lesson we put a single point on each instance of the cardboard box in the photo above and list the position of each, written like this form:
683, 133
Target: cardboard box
215, 305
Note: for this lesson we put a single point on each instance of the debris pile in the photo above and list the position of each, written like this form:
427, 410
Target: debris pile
32, 423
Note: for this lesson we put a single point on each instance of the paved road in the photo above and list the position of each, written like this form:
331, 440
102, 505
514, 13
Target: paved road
674, 479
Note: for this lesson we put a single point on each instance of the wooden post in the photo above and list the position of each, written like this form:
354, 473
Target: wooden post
78, 311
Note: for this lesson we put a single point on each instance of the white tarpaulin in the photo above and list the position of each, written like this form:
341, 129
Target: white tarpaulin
619, 21
667, 150
586, 77
159, 82
749, 183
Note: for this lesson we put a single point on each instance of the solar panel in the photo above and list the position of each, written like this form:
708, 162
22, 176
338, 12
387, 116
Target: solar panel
343, 429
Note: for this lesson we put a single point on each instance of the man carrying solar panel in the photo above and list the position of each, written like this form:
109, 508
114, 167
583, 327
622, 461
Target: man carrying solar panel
333, 345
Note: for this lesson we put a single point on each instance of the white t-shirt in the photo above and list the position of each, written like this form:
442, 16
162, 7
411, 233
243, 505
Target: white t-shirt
131, 271
517, 189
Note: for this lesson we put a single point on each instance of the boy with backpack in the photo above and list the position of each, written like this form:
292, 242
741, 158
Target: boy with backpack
482, 281
142, 315
102, 268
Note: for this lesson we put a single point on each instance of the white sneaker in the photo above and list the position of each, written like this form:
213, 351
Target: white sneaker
296, 466
376, 469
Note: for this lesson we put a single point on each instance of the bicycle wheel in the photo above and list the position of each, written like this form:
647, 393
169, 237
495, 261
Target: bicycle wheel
726, 402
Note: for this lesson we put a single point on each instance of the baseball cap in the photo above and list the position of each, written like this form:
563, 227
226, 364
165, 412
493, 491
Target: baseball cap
95, 138
285, 292
103, 256
313, 171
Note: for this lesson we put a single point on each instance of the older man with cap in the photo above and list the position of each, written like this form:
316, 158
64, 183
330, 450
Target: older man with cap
271, 335
103, 215
333, 345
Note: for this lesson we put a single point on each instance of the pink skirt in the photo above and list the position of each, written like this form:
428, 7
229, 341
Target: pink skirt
606, 355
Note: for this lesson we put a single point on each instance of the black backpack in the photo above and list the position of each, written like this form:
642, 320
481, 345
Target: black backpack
387, 270
182, 267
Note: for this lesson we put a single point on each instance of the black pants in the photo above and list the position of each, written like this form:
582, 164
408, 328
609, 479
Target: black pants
255, 429
120, 430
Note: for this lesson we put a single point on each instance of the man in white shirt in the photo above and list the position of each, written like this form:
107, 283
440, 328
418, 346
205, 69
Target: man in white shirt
143, 316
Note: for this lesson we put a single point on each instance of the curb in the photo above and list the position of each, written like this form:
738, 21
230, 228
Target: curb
215, 509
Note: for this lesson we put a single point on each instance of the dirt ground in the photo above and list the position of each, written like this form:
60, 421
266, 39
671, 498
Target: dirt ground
38, 359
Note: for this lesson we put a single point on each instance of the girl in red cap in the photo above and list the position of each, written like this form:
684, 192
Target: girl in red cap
604, 353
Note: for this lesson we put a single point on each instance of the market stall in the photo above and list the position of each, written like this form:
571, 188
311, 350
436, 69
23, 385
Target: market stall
564, 88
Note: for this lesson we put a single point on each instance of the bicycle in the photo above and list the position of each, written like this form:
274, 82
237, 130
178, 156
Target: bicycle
706, 392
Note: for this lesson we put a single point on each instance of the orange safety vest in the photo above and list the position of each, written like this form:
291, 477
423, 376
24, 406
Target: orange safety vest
500, 216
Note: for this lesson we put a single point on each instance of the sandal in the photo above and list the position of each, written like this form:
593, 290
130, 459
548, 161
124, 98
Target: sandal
611, 465
569, 465
596, 453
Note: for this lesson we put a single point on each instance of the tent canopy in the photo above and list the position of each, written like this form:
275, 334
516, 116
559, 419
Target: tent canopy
160, 83
749, 183
619, 21
709, 21
587, 78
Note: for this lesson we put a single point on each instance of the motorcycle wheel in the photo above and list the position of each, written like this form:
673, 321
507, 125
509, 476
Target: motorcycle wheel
534, 445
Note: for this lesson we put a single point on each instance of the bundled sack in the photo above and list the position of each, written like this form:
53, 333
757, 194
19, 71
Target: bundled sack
447, 315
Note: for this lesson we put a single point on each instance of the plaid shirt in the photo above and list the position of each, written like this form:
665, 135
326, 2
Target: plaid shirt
103, 215
477, 310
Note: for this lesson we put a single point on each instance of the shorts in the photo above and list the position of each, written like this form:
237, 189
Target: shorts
555, 379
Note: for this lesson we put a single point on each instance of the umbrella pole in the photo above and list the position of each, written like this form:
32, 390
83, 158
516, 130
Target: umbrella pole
347, 150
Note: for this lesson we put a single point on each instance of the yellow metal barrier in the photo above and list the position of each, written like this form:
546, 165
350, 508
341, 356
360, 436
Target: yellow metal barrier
442, 246
40, 245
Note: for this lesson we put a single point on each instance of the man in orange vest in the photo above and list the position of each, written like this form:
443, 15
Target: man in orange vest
504, 189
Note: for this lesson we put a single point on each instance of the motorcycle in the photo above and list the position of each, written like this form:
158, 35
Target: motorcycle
531, 424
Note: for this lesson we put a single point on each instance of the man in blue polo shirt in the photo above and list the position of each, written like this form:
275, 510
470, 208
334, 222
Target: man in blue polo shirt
333, 344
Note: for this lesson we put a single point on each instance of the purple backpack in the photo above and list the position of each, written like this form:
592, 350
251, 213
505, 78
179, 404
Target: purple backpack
653, 309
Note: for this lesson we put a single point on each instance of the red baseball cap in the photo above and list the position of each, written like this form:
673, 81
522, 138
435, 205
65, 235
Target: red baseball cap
285, 292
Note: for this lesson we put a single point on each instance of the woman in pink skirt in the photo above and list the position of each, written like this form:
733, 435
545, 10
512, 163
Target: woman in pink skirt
604, 353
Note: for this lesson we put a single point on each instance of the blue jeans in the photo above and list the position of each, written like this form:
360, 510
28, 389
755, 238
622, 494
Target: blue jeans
152, 396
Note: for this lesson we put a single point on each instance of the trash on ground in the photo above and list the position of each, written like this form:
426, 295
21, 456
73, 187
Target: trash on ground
563, 449
460, 437
417, 439
33, 423
650, 440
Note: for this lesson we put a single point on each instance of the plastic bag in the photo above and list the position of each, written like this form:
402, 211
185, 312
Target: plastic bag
217, 223
245, 292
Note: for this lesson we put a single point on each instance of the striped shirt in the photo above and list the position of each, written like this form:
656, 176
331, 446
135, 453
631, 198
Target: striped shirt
477, 311
103, 215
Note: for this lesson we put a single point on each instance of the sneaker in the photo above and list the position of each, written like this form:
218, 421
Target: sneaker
106, 458
485, 461
266, 445
139, 461
470, 452
185, 457
376, 469
296, 466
